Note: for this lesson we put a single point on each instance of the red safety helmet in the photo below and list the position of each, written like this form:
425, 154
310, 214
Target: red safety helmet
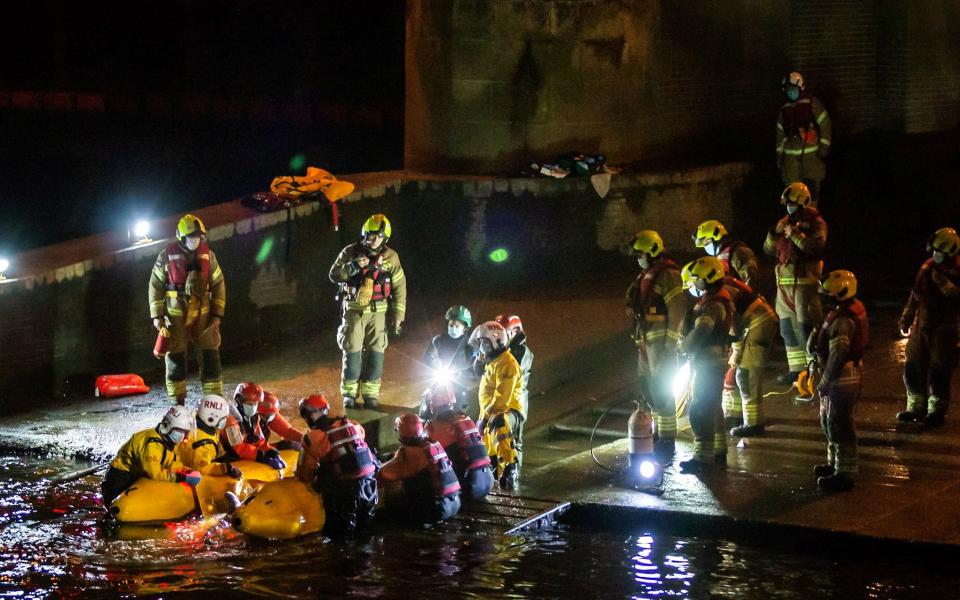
409, 426
248, 393
269, 407
441, 398
511, 323
312, 407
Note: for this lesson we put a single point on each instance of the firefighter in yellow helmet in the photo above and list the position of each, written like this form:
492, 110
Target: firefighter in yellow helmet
797, 241
738, 259
804, 135
373, 291
706, 341
656, 303
930, 320
838, 345
187, 299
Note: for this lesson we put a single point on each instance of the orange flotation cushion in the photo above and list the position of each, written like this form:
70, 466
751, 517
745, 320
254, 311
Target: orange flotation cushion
109, 386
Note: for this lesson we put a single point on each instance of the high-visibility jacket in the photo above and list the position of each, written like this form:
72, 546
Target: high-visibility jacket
709, 336
935, 303
146, 455
349, 277
187, 284
739, 261
798, 255
200, 449
658, 302
803, 127
842, 337
501, 386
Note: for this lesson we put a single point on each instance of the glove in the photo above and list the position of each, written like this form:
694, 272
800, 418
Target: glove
498, 421
396, 328
904, 324
189, 475
482, 425
271, 458
233, 472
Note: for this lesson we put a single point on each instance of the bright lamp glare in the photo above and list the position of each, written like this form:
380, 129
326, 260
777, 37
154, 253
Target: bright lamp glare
4, 264
647, 469
442, 375
141, 228
681, 380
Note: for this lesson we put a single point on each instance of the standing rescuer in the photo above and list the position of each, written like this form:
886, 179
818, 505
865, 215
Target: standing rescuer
450, 356
656, 303
738, 259
524, 355
838, 345
930, 321
187, 300
803, 136
373, 290
707, 342
797, 240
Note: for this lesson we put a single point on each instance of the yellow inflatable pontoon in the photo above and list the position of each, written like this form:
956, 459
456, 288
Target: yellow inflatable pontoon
281, 510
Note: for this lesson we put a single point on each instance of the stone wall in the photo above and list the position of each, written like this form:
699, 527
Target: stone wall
91, 317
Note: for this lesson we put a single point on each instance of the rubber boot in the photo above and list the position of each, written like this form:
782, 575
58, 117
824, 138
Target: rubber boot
916, 409
370, 403
695, 465
788, 377
747, 431
835, 483
663, 450
349, 402
933, 420
909, 416
510, 477
823, 470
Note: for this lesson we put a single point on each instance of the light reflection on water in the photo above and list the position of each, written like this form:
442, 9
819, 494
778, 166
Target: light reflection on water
53, 541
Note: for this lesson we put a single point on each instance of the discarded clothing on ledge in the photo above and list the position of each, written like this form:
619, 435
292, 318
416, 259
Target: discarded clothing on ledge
317, 181
571, 164
268, 202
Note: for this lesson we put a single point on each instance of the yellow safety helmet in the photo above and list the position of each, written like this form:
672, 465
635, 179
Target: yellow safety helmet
685, 277
190, 225
712, 230
647, 241
945, 240
840, 285
798, 193
378, 223
707, 269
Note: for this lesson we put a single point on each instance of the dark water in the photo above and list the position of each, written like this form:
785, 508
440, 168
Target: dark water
53, 543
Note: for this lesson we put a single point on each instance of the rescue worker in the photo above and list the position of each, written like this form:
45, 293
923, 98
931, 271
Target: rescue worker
838, 345
430, 486
187, 299
656, 303
450, 357
738, 259
803, 137
501, 409
754, 327
524, 355
243, 436
797, 240
335, 458
706, 342
374, 297
269, 411
461, 440
930, 321
203, 447
152, 453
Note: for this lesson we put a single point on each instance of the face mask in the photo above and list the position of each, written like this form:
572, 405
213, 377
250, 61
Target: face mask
793, 93
695, 291
792, 208
938, 257
644, 262
712, 248
176, 435
192, 243
248, 409
455, 330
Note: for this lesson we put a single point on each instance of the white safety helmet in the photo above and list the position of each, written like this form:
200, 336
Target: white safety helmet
492, 331
213, 411
176, 424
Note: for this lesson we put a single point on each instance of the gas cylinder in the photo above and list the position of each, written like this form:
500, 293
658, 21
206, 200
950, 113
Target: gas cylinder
640, 432
163, 343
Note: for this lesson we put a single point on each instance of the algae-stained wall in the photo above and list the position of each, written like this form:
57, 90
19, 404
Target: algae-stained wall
91, 318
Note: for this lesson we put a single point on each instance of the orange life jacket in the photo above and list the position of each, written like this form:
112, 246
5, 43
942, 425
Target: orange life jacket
645, 303
177, 267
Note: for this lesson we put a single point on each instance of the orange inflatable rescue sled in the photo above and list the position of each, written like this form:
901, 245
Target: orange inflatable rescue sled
109, 386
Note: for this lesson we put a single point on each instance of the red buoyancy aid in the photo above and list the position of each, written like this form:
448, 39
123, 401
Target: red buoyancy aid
855, 311
177, 267
644, 300
726, 251
745, 294
799, 115
721, 331
445, 480
349, 453
927, 293
471, 448
382, 284
787, 251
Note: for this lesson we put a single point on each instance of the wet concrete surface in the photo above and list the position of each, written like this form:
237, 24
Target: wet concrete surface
906, 489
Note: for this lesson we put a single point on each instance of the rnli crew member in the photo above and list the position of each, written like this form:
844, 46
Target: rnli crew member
269, 411
461, 440
187, 300
243, 436
430, 486
930, 321
501, 409
335, 458
153, 453
838, 345
203, 446
450, 356
656, 303
797, 240
707, 342
374, 295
